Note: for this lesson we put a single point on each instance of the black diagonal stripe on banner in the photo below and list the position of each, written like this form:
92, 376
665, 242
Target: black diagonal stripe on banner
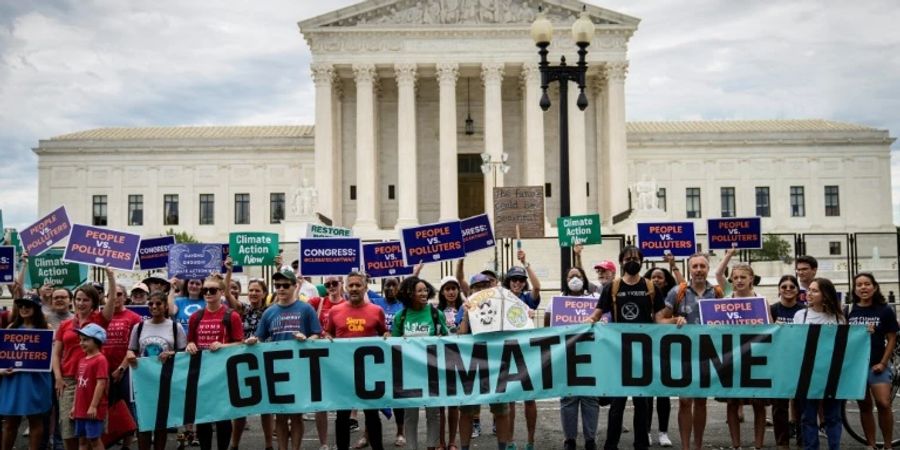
809, 360
165, 391
190, 389
837, 360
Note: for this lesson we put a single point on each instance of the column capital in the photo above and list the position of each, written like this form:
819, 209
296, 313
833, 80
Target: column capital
322, 74
492, 72
405, 73
447, 72
531, 72
364, 73
616, 71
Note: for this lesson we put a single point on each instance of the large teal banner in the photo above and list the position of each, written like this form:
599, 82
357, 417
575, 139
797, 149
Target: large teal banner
772, 361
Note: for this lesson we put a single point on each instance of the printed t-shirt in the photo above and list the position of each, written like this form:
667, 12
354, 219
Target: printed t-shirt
212, 329
280, 323
450, 318
252, 316
346, 321
689, 307
633, 303
810, 316
118, 333
186, 308
71, 341
419, 323
529, 300
90, 369
783, 314
156, 338
390, 309
884, 320
322, 306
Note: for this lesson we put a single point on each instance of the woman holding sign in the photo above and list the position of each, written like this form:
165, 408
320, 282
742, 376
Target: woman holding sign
25, 394
577, 286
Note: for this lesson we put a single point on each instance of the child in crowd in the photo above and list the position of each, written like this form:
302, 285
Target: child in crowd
90, 406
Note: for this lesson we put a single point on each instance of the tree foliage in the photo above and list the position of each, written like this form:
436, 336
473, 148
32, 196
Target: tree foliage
182, 237
774, 248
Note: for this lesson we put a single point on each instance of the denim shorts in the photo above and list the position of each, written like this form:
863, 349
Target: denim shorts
880, 378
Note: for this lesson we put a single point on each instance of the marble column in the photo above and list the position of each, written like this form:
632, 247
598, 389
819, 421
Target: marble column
366, 185
534, 125
492, 77
407, 198
447, 74
602, 192
615, 136
328, 178
577, 156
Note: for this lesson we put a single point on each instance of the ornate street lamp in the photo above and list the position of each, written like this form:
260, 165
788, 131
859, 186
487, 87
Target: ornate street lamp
582, 33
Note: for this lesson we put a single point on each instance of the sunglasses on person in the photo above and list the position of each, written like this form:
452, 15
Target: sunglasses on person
209, 291
282, 285
788, 287
331, 284
156, 303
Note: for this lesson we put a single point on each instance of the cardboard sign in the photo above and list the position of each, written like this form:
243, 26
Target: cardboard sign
737, 233
50, 229
141, 310
7, 264
317, 230
432, 243
49, 268
26, 350
654, 239
154, 252
497, 309
521, 206
734, 311
384, 259
571, 310
477, 233
329, 256
575, 230
253, 248
102, 247
194, 261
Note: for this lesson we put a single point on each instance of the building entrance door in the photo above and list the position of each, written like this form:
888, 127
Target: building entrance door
471, 185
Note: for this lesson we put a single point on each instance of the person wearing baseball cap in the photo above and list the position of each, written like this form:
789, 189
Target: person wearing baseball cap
91, 402
156, 284
139, 293
606, 272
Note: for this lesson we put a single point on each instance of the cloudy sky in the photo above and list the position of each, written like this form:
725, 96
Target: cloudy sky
68, 65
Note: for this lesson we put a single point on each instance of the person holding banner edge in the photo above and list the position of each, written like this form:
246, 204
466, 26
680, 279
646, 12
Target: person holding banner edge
334, 295
663, 282
784, 421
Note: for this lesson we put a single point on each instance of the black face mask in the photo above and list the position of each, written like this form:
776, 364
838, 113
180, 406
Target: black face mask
632, 267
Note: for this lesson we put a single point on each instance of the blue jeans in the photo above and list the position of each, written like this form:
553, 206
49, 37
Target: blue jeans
810, 429
568, 413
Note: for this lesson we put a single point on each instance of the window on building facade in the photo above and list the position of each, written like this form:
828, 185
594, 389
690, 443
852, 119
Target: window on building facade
762, 201
692, 202
135, 210
99, 211
276, 207
242, 209
207, 209
832, 201
834, 248
661, 198
728, 206
548, 191
392, 193
352, 192
170, 209
798, 202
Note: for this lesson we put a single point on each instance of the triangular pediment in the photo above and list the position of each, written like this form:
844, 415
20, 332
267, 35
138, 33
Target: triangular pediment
464, 13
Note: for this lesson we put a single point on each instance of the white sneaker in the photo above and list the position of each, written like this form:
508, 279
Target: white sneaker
664, 440
649, 438
324, 447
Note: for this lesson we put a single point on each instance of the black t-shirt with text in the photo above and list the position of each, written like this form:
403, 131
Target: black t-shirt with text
884, 320
633, 303
783, 314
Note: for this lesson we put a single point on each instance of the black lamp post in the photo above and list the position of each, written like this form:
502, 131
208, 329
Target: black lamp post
582, 33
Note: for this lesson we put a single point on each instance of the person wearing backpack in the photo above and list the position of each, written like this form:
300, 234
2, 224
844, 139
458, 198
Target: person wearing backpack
419, 318
629, 299
158, 337
210, 329
682, 307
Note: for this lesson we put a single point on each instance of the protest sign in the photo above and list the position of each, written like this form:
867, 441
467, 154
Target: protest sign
317, 230
50, 229
737, 233
253, 248
497, 309
571, 310
384, 259
141, 310
102, 247
15, 241
194, 261
654, 239
734, 311
432, 243
477, 233
575, 230
329, 256
226, 252
2, 230
616, 360
7, 264
521, 206
26, 350
154, 252
49, 268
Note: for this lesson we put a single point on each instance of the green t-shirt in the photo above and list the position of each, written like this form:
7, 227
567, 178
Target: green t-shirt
418, 323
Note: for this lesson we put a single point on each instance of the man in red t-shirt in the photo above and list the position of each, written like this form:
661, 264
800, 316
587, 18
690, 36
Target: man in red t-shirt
353, 319
118, 333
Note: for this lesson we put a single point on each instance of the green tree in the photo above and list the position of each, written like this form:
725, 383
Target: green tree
182, 237
773, 248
